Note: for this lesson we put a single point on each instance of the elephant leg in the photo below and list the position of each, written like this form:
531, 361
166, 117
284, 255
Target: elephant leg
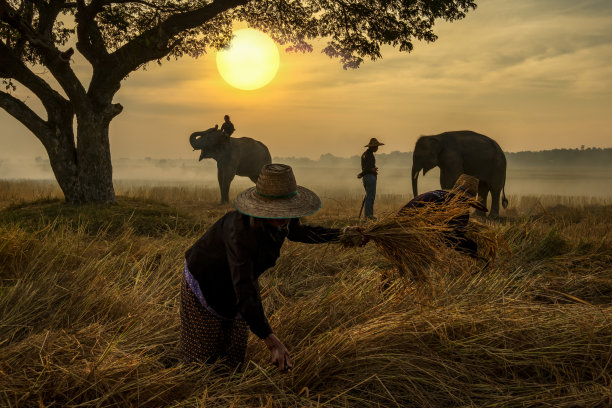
228, 177
494, 203
226, 171
448, 178
483, 192
221, 179
228, 182
225, 187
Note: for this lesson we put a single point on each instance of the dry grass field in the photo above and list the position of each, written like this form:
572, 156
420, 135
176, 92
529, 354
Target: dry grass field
89, 310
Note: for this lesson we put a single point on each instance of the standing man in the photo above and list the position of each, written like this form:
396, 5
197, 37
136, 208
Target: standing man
227, 127
369, 173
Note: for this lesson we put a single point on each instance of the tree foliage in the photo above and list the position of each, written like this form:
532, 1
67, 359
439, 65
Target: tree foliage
118, 37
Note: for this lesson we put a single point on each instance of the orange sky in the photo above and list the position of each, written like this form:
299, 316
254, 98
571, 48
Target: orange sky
532, 75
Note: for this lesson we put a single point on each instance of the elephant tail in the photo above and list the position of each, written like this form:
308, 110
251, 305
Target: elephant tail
504, 199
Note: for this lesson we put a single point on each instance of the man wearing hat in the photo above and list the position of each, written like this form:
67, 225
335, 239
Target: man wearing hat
220, 297
369, 174
465, 189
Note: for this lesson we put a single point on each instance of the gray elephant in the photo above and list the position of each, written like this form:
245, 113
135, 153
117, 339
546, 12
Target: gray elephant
240, 156
463, 152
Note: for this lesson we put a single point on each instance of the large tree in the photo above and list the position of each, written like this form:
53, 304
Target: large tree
118, 37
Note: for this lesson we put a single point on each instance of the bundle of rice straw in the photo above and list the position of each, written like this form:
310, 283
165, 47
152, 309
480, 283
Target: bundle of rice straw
416, 238
488, 241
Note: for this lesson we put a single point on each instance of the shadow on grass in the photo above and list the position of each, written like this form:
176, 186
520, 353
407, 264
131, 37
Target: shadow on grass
145, 217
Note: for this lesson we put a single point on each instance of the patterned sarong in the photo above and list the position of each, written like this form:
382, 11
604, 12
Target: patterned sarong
205, 337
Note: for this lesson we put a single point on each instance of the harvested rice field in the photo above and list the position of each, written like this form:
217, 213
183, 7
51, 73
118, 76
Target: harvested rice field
89, 311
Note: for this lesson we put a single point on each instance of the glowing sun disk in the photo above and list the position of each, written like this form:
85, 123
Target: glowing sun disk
250, 62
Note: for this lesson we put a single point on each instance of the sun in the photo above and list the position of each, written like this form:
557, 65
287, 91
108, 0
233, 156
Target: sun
251, 60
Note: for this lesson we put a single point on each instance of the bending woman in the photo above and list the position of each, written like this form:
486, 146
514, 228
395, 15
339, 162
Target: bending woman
220, 297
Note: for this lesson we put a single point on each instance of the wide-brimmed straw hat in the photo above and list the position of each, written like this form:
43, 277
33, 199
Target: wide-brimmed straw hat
276, 195
467, 186
373, 143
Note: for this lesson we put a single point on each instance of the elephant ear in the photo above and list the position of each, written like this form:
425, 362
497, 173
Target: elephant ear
219, 141
436, 146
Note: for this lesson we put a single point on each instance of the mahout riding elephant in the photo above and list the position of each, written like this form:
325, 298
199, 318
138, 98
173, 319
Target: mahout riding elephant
466, 152
240, 156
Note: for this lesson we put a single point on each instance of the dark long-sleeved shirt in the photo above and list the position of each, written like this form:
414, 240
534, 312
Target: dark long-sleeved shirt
456, 238
368, 162
229, 258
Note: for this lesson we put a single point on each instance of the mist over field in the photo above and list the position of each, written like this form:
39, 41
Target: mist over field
564, 172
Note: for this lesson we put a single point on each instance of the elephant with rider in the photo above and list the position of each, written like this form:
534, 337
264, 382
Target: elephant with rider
240, 156
461, 152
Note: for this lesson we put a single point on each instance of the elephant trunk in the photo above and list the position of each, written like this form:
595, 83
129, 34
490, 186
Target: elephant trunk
196, 140
415, 179
193, 140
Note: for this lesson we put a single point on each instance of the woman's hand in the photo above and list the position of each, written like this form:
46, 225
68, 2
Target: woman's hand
361, 239
278, 353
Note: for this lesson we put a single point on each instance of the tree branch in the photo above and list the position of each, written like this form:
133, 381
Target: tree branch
90, 42
25, 115
27, 11
12, 17
58, 62
11, 66
153, 43
144, 3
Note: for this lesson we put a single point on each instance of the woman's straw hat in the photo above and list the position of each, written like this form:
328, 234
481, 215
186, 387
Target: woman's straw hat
276, 195
468, 186
373, 143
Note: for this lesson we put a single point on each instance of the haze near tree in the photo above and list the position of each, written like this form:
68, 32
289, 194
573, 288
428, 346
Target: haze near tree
118, 37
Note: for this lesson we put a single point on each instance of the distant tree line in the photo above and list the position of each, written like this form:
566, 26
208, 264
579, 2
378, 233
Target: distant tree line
592, 156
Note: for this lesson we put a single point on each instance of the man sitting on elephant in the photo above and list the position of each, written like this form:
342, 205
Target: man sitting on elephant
227, 127
235, 156
465, 188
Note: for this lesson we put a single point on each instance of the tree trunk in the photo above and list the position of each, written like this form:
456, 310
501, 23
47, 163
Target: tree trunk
62, 156
84, 173
95, 170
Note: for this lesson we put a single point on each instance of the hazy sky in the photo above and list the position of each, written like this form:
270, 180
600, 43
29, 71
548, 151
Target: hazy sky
531, 74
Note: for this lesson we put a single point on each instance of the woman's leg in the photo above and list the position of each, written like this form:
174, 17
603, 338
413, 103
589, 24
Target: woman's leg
201, 332
236, 334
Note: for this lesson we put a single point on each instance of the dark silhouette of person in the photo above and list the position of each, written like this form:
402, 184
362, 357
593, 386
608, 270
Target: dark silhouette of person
227, 127
466, 189
369, 174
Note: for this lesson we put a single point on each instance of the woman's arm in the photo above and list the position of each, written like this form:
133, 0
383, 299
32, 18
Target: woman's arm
310, 234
